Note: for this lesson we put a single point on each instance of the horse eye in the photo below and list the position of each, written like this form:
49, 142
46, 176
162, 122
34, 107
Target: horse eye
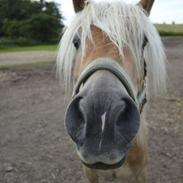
145, 41
76, 42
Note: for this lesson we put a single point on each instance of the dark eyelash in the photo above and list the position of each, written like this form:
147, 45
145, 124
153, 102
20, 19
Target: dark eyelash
76, 42
145, 41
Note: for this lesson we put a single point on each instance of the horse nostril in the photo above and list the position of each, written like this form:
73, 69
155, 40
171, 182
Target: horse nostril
127, 121
74, 120
122, 107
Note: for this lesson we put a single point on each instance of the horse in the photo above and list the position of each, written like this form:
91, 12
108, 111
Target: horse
112, 58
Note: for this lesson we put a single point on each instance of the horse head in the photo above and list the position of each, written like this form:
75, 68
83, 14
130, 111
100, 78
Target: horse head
110, 51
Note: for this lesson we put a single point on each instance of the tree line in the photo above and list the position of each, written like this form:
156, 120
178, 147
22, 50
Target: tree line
29, 22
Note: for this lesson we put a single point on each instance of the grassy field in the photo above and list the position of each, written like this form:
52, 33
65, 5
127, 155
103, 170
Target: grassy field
29, 48
170, 29
38, 65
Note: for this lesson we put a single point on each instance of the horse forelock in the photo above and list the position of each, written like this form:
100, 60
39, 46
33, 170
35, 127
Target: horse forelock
125, 25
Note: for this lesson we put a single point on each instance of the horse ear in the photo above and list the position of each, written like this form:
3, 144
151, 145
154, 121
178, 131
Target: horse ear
78, 5
147, 5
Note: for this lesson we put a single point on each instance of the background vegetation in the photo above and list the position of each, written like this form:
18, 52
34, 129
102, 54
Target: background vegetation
30, 22
170, 29
27, 22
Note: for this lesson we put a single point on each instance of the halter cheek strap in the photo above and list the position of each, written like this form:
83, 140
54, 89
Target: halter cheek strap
113, 67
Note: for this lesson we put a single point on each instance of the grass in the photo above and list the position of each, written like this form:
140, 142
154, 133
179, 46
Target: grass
28, 48
38, 65
170, 29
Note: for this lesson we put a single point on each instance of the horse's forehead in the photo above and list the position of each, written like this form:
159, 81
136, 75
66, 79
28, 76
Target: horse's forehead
98, 35
104, 47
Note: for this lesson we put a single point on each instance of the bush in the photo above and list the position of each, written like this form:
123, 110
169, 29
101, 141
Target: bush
11, 28
41, 28
6, 42
29, 22
44, 28
20, 41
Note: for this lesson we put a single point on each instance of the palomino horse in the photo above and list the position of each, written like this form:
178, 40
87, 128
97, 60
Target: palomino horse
113, 57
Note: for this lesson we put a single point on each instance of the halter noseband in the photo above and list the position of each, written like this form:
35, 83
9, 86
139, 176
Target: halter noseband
115, 68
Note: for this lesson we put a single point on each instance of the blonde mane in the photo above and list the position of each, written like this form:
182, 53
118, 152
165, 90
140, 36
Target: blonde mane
125, 25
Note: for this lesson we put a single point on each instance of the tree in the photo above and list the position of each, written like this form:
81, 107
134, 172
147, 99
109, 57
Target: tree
42, 2
38, 20
44, 27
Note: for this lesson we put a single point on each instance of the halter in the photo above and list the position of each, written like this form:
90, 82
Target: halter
116, 69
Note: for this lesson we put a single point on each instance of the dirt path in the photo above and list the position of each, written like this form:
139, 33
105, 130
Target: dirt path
34, 147
18, 58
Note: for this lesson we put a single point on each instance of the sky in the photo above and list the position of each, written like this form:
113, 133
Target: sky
163, 10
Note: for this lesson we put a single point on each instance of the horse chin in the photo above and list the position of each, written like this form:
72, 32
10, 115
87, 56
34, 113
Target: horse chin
103, 166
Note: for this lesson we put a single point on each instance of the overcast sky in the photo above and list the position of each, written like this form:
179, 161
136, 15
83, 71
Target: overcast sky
163, 10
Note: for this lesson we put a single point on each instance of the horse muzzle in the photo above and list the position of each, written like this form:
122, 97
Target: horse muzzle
102, 120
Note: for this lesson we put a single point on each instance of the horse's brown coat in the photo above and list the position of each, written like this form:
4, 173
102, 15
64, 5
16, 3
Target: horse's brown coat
147, 5
101, 46
78, 5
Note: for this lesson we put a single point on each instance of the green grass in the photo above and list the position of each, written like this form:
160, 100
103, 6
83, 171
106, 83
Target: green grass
170, 29
38, 65
29, 48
